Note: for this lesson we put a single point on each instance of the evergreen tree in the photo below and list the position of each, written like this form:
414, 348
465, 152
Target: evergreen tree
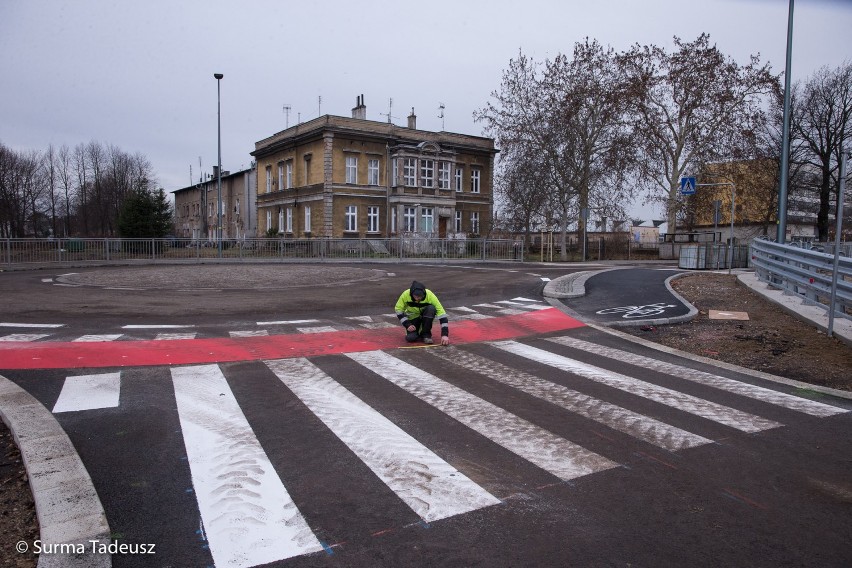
145, 214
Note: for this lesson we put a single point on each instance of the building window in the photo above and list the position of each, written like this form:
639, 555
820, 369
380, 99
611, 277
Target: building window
373, 172
459, 176
474, 181
289, 224
395, 171
409, 172
307, 170
288, 181
280, 176
351, 169
308, 219
458, 221
280, 220
393, 220
268, 179
427, 220
373, 219
351, 218
237, 208
409, 218
268, 219
427, 173
474, 222
443, 175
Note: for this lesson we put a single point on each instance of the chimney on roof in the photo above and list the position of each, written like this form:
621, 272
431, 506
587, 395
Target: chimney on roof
360, 110
412, 120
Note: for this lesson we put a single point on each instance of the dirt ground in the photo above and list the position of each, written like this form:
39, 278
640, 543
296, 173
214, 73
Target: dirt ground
769, 341
17, 512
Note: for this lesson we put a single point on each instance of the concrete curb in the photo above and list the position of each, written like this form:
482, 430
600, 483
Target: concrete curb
729, 366
68, 508
572, 285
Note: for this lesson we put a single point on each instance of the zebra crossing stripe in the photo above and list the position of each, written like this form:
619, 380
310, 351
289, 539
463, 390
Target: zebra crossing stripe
24, 337
89, 392
174, 336
250, 333
248, 515
631, 423
763, 394
93, 338
556, 455
704, 408
431, 487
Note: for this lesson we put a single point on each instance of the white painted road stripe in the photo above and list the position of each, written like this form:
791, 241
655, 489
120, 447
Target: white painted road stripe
88, 392
92, 338
626, 421
560, 457
286, 322
316, 329
430, 486
32, 325
687, 403
248, 515
763, 394
164, 326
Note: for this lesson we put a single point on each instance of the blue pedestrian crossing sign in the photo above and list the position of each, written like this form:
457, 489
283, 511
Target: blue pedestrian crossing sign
687, 186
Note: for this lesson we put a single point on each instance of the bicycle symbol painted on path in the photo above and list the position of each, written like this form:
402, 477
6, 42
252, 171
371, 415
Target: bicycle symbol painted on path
638, 311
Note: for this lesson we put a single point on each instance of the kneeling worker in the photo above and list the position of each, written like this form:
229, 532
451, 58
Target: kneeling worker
416, 309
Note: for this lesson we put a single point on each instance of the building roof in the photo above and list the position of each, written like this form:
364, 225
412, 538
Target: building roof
225, 175
362, 127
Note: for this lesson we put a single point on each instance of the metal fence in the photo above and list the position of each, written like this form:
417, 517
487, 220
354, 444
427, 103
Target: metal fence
31, 252
807, 273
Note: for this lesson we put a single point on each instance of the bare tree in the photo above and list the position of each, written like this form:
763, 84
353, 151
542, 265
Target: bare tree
822, 121
689, 102
66, 182
570, 114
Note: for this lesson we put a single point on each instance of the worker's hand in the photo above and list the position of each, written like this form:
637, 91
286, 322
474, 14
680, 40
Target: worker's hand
445, 340
411, 328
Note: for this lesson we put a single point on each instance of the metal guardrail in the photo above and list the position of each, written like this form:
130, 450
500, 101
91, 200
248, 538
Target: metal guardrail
806, 273
31, 252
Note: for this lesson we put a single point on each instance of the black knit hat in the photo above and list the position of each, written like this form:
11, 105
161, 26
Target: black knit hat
418, 289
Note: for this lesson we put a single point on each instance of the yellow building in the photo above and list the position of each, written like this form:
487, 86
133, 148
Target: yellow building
352, 177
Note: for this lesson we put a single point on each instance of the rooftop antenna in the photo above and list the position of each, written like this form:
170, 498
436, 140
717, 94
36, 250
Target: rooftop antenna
287, 116
441, 116
390, 110
319, 105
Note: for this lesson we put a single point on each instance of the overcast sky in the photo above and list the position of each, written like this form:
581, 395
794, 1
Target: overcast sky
139, 75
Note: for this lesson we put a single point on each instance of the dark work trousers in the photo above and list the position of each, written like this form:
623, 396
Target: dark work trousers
423, 324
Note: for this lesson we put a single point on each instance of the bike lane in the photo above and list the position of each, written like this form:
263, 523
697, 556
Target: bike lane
631, 296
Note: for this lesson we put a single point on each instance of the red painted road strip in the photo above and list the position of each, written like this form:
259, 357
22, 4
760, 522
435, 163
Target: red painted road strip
66, 355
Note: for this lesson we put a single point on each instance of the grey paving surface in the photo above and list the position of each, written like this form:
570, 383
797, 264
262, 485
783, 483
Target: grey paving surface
67, 504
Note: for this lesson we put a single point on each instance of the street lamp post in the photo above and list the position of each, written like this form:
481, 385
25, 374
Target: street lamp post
218, 77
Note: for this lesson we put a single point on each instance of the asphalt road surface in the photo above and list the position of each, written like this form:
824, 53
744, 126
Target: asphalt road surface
531, 441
